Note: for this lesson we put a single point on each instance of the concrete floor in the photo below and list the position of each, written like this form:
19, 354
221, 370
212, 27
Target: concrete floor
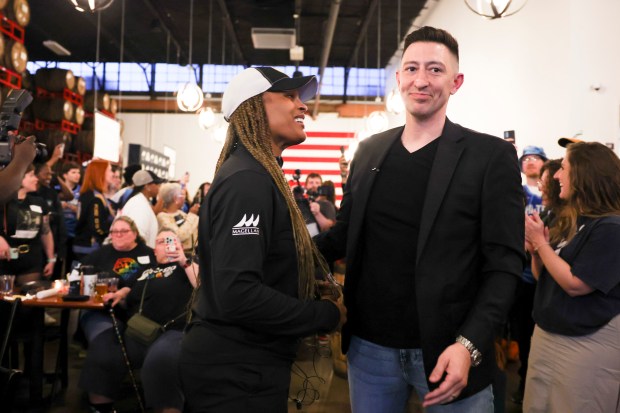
313, 383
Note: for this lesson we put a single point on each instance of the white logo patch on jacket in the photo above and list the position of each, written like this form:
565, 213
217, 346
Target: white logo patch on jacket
247, 226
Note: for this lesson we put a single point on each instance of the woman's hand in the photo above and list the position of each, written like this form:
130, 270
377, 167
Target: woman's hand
48, 270
177, 255
116, 296
536, 234
194, 209
5, 250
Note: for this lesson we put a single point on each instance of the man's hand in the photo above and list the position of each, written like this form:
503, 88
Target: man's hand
194, 209
315, 208
455, 361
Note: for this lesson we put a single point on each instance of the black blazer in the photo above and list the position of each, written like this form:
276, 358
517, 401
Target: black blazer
470, 250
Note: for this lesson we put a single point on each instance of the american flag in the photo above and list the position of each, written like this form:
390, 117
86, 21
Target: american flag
319, 153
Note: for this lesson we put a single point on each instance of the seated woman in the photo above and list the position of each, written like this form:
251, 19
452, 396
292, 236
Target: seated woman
167, 287
25, 235
126, 257
185, 225
574, 363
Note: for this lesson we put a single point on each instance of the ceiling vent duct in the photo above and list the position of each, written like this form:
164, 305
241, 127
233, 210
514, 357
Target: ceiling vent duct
273, 38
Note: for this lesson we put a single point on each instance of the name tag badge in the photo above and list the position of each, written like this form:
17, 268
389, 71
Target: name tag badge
36, 208
145, 259
25, 234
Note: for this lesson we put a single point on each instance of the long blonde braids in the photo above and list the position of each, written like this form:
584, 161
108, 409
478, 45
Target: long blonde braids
248, 126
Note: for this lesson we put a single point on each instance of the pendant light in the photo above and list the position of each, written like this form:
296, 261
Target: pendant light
363, 132
190, 96
495, 9
91, 5
394, 102
206, 116
377, 121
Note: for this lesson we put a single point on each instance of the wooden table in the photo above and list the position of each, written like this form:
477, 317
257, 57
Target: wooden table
36, 362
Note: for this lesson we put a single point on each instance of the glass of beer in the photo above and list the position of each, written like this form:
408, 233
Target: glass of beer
101, 287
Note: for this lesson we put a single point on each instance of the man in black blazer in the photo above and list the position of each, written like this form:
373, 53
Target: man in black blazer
432, 227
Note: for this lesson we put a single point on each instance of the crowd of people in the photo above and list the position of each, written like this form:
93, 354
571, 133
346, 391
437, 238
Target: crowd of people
446, 250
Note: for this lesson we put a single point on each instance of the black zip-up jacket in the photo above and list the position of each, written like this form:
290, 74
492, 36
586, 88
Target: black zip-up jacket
248, 307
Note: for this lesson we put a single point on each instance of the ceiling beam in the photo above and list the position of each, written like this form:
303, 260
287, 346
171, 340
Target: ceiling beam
231, 30
370, 14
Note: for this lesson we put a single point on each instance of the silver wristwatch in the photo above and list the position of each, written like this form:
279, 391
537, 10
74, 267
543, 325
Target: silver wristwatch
476, 356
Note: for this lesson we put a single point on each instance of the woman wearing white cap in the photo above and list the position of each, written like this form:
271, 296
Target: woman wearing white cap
258, 274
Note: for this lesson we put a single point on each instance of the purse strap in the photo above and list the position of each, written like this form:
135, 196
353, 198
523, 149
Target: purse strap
142, 302
142, 299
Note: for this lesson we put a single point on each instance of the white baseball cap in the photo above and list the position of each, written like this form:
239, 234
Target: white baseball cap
256, 80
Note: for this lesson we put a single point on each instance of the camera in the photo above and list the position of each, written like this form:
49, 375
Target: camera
10, 116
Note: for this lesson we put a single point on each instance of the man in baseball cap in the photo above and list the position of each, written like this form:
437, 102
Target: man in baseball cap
564, 142
256, 80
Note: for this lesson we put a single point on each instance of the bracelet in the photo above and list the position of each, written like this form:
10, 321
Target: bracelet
50, 260
536, 249
188, 263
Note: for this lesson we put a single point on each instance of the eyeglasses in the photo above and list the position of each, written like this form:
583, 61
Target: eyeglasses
119, 232
531, 159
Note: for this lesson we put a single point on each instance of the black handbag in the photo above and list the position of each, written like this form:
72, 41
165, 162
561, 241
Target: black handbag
142, 329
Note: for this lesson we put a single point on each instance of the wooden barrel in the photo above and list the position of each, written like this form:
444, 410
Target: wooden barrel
15, 56
103, 101
78, 115
53, 110
113, 106
2, 44
54, 79
19, 12
28, 82
89, 121
84, 142
53, 137
80, 86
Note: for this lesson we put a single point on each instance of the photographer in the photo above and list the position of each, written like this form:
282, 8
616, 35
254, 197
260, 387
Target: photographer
324, 211
16, 152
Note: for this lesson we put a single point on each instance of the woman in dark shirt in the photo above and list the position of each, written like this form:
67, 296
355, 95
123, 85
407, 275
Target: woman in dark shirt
25, 230
167, 286
94, 212
258, 261
125, 258
574, 363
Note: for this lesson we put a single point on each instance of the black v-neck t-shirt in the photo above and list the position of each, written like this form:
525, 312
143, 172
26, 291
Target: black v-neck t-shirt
386, 300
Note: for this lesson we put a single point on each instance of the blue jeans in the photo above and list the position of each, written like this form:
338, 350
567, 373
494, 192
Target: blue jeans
381, 380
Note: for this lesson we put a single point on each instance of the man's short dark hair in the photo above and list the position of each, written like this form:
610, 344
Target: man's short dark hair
314, 175
67, 166
431, 34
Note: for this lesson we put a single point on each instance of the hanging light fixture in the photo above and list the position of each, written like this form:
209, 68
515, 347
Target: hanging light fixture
206, 116
495, 9
394, 102
219, 134
91, 5
189, 96
377, 121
